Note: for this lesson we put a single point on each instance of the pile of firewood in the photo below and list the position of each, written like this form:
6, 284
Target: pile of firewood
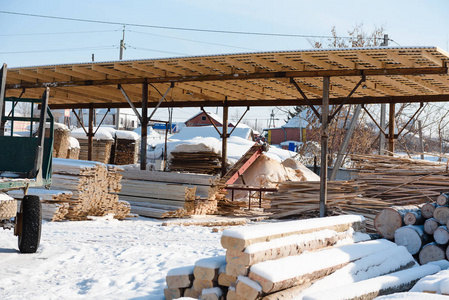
158, 194
301, 199
422, 229
401, 180
94, 187
309, 259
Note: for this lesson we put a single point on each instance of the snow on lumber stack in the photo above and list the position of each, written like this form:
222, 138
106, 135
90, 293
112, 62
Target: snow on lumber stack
168, 194
374, 265
211, 294
240, 238
206, 272
291, 271
180, 277
412, 296
238, 263
192, 281
93, 186
434, 284
368, 289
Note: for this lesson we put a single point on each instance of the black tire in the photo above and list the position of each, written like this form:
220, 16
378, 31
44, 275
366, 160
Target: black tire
31, 219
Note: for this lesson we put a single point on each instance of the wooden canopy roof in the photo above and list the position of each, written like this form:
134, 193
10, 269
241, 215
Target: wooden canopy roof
392, 74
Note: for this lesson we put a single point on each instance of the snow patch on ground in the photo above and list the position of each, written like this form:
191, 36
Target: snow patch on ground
102, 259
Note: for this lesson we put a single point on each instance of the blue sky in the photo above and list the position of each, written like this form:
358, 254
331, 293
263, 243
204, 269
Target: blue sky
28, 41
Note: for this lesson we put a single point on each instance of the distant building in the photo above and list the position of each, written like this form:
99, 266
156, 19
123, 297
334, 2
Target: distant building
294, 130
200, 119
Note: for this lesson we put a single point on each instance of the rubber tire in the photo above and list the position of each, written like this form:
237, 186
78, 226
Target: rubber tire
30, 235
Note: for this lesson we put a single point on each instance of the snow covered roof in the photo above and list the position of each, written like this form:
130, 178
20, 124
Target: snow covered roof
211, 115
188, 133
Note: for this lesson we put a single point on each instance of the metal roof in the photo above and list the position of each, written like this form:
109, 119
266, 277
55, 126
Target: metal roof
393, 74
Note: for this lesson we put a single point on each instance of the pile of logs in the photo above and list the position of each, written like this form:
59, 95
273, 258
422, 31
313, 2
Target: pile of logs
93, 187
168, 194
422, 229
101, 150
295, 259
204, 162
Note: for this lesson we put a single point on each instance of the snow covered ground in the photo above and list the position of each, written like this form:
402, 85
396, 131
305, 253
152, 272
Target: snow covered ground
102, 259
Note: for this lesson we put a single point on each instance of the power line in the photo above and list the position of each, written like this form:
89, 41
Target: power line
172, 27
195, 41
155, 50
57, 33
62, 50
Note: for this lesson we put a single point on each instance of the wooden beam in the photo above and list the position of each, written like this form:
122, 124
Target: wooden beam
246, 76
257, 102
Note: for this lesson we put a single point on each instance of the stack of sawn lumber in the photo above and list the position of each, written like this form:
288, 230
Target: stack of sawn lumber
158, 194
202, 162
55, 203
294, 259
94, 187
422, 229
101, 150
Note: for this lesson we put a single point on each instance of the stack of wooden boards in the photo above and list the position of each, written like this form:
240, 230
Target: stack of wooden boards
294, 259
126, 151
422, 229
202, 162
55, 203
168, 194
94, 187
101, 150
61, 136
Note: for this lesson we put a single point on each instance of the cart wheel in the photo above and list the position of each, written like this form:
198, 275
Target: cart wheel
30, 224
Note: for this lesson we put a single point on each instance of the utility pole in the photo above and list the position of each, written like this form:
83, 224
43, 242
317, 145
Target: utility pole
272, 119
385, 41
117, 110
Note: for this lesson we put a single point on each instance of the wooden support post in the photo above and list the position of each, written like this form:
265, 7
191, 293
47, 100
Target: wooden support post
391, 127
324, 140
383, 112
90, 133
143, 136
224, 139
